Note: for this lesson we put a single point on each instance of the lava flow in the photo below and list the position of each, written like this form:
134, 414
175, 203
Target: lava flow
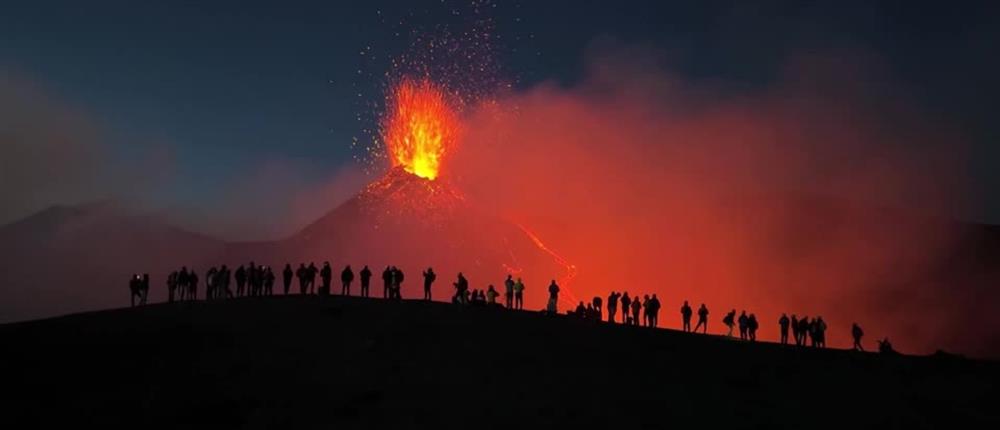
421, 127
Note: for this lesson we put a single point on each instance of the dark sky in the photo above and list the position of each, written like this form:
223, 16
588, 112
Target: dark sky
223, 87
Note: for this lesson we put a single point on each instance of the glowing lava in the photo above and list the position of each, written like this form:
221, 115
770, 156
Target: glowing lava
420, 128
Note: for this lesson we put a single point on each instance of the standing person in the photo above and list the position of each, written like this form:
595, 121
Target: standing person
654, 311
193, 285
171, 286
752, 327
730, 320
794, 323
366, 279
397, 283
429, 278
820, 330
134, 289
386, 282
326, 274
269, 282
598, 307
702, 319
286, 277
303, 275
508, 291
636, 308
857, 333
554, 291
612, 306
491, 295
519, 294
311, 272
144, 288
686, 317
346, 277
241, 281
645, 310
626, 307
783, 322
742, 321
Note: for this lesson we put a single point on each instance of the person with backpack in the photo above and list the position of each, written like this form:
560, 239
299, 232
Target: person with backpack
730, 320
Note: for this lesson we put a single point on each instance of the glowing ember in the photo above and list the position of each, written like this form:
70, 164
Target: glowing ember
420, 128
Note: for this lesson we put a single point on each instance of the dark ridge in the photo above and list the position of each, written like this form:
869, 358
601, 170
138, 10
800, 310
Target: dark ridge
333, 362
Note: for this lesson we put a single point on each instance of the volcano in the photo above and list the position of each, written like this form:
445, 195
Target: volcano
414, 223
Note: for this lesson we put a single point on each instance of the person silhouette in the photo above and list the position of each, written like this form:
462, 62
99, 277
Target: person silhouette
598, 307
397, 283
302, 273
286, 277
508, 291
654, 311
134, 288
580, 310
519, 294
885, 347
346, 277
612, 306
794, 324
820, 332
386, 281
193, 286
171, 286
730, 320
326, 275
645, 310
144, 288
241, 280
554, 291
210, 283
311, 278
224, 276
783, 322
461, 290
636, 308
366, 278
742, 323
702, 319
752, 327
269, 282
626, 307
686, 316
857, 333
429, 278
491, 295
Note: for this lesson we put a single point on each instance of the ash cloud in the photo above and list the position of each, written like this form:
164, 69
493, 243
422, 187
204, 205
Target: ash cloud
825, 192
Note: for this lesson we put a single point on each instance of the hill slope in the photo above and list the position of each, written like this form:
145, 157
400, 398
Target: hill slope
331, 362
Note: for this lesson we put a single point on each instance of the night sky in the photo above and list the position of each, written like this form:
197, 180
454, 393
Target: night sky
212, 90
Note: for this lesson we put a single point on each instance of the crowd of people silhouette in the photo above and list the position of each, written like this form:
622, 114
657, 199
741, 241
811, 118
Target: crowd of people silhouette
258, 280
